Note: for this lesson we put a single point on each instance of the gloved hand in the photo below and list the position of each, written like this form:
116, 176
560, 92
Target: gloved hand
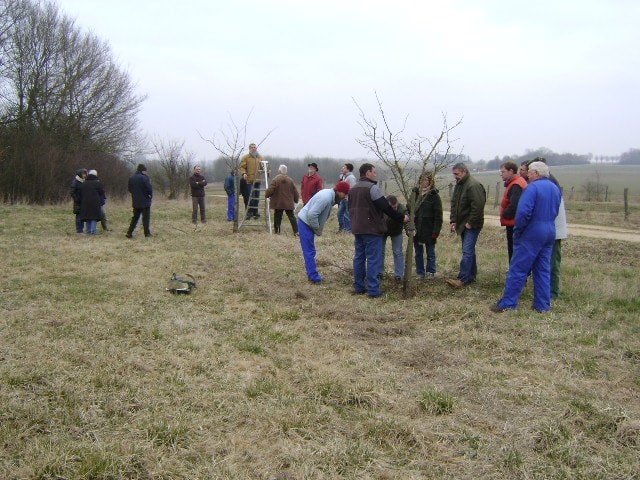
435, 235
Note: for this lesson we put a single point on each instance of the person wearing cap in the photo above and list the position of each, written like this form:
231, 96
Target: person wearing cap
367, 207
141, 195
91, 195
533, 238
311, 221
74, 191
312, 183
250, 181
283, 196
197, 182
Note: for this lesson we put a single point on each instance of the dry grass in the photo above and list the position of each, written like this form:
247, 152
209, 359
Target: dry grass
262, 375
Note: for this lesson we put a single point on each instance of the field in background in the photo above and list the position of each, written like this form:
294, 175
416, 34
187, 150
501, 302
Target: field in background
262, 375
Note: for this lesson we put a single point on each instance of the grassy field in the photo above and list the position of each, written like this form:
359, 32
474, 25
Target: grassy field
261, 375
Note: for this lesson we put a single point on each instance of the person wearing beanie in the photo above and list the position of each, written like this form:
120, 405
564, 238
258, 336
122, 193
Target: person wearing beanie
141, 195
311, 221
367, 207
74, 191
283, 196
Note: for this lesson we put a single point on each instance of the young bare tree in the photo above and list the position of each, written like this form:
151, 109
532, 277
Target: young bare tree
230, 142
176, 165
407, 159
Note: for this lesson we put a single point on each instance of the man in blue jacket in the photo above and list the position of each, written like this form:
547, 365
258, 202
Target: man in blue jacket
141, 194
311, 220
533, 237
230, 189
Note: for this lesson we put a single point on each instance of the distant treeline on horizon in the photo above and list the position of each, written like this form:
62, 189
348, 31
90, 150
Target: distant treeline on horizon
329, 168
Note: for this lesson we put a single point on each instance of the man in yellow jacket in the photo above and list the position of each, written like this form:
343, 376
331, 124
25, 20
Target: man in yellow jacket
250, 182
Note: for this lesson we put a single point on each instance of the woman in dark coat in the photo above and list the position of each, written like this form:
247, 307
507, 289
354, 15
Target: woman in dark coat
91, 195
283, 196
428, 221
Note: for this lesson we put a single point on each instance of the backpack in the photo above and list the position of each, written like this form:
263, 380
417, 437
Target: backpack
181, 285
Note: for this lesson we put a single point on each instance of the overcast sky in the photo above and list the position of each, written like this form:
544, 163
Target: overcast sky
563, 74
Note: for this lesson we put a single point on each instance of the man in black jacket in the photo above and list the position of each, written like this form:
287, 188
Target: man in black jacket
197, 183
74, 191
141, 194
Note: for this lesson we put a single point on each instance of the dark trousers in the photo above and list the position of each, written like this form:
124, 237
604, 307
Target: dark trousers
277, 220
245, 191
146, 219
510, 241
198, 202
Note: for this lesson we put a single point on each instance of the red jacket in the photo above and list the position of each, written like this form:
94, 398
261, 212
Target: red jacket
509, 205
310, 186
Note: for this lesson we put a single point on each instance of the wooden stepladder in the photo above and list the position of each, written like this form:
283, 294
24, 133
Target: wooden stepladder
257, 202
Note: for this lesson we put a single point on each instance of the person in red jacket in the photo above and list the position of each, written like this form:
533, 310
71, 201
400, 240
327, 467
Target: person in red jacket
514, 184
312, 183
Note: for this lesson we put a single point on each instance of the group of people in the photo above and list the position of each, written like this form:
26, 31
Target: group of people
532, 212
89, 201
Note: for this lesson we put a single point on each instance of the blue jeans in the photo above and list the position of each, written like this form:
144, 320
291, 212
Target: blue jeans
92, 227
79, 224
231, 207
367, 264
344, 221
308, 245
531, 253
398, 255
430, 249
468, 265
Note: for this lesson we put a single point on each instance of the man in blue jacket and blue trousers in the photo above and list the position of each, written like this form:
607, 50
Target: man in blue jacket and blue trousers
311, 220
533, 237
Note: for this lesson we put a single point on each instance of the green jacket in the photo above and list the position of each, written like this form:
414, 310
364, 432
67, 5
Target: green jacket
467, 204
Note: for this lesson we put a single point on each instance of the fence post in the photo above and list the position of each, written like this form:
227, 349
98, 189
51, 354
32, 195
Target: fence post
495, 203
626, 204
606, 193
571, 194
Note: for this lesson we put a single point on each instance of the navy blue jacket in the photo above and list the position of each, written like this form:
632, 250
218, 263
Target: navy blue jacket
140, 189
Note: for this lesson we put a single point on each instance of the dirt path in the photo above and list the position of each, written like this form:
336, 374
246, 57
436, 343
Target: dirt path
593, 231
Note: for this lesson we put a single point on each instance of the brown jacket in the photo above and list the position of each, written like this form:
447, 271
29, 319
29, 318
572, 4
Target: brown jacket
250, 165
282, 193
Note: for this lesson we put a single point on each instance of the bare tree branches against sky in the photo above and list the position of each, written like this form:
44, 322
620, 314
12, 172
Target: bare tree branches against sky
562, 75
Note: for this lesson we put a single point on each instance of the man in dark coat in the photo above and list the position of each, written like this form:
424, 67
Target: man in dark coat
74, 191
466, 219
197, 182
141, 194
91, 194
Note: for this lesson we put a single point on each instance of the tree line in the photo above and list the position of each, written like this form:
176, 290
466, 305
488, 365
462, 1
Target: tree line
64, 104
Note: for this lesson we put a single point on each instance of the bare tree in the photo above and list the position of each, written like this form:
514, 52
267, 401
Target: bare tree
230, 141
61, 94
407, 160
175, 164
